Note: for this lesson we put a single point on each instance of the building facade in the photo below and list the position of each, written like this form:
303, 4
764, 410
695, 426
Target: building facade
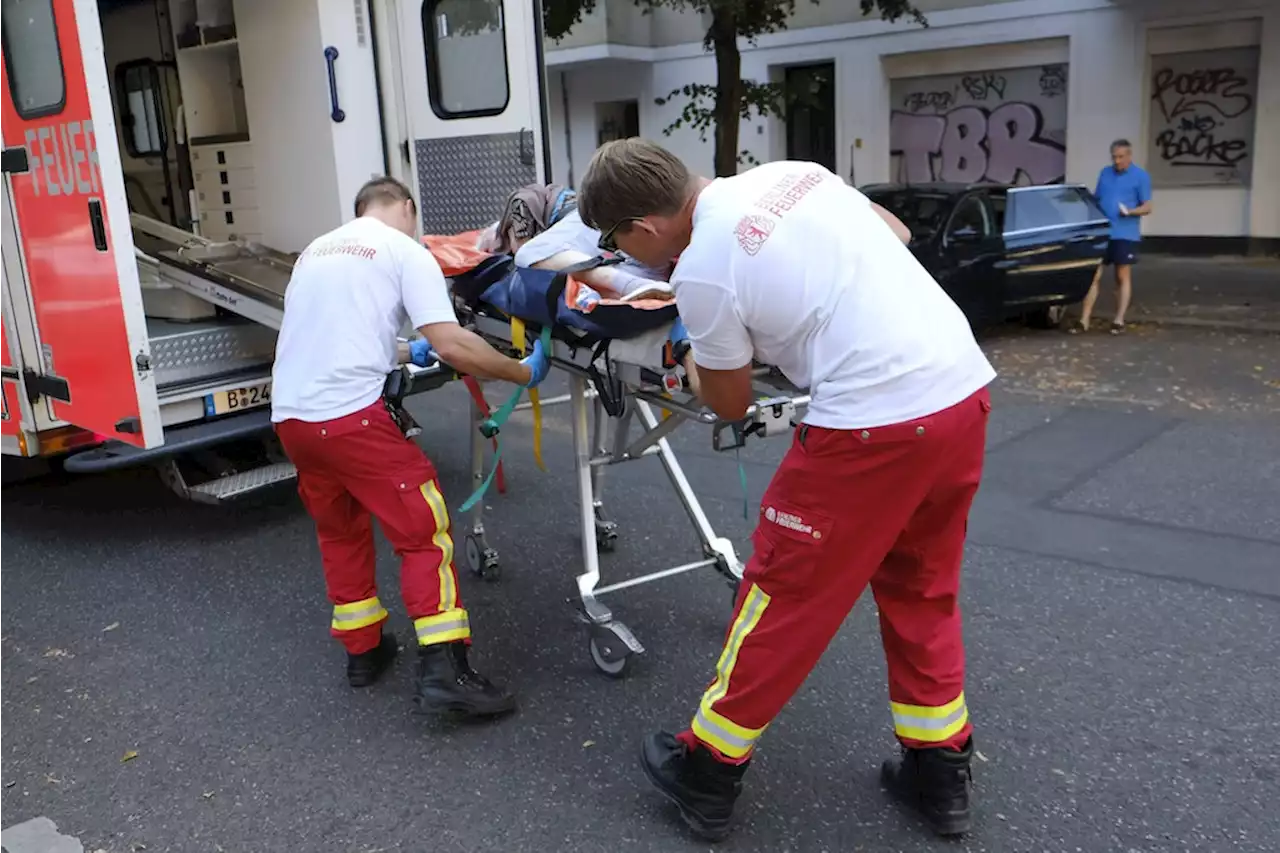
1020, 91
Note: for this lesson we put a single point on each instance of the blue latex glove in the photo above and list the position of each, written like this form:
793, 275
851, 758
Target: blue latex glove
539, 364
420, 352
678, 332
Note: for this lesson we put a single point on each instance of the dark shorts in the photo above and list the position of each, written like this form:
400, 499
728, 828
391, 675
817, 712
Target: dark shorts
1121, 253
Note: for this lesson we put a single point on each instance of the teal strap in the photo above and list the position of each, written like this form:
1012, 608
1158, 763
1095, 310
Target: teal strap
742, 479
484, 487
493, 424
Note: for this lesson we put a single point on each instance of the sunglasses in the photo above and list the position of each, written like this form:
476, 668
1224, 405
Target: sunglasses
608, 242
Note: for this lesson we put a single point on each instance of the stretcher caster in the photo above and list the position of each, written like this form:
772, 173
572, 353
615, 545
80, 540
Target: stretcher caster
482, 560
606, 536
612, 647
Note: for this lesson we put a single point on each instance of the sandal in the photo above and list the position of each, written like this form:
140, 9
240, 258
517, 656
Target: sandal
1117, 328
1077, 328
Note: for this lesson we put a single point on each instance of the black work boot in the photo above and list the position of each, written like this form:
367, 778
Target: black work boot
365, 668
446, 682
936, 783
703, 788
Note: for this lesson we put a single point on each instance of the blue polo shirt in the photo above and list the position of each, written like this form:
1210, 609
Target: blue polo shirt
1132, 188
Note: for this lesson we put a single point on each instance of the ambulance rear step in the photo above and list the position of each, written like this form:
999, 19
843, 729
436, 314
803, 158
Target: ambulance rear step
230, 487
211, 462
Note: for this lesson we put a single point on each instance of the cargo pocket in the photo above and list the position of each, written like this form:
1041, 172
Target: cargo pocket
422, 517
790, 547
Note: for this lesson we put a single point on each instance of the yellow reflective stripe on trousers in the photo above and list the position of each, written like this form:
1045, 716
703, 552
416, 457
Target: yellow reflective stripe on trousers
358, 614
446, 627
535, 402
711, 727
442, 540
930, 724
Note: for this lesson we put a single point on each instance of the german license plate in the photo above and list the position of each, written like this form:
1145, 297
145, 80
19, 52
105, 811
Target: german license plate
237, 399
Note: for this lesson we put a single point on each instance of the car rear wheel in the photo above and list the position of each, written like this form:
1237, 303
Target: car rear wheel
1048, 317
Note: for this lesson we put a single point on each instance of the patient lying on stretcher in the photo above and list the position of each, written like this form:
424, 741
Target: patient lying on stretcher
542, 228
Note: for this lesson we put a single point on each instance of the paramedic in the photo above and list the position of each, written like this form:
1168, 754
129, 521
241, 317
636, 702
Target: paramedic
787, 264
351, 292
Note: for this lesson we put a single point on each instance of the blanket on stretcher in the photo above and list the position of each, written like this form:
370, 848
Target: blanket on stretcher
546, 297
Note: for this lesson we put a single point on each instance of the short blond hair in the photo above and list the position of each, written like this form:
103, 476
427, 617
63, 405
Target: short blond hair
631, 178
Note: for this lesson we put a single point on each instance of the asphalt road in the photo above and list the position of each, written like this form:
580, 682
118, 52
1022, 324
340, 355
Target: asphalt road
168, 681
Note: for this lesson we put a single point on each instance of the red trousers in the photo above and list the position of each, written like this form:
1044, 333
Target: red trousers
886, 506
359, 465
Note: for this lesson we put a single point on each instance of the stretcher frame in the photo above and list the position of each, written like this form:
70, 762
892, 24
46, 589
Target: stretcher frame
603, 421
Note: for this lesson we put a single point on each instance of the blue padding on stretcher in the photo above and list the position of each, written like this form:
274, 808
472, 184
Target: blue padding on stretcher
537, 296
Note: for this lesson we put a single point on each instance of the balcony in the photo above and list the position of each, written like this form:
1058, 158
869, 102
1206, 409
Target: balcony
620, 30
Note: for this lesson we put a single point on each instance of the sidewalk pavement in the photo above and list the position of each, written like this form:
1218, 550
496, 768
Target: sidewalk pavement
1229, 292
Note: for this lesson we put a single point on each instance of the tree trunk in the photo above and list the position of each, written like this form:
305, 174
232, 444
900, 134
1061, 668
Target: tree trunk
724, 37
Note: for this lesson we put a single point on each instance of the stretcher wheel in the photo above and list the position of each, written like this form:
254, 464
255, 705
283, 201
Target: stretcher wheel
482, 561
606, 536
609, 653
614, 668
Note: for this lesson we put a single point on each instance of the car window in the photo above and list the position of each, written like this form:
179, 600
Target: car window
970, 219
1034, 208
920, 212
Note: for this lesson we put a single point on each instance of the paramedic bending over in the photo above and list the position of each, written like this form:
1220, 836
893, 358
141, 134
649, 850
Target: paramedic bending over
351, 293
790, 265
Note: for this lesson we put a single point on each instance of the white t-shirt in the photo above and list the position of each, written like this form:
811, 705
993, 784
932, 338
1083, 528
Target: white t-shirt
351, 293
571, 234
790, 265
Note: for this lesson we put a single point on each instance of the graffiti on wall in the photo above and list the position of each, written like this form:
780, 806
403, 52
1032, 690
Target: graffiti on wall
1008, 126
1202, 117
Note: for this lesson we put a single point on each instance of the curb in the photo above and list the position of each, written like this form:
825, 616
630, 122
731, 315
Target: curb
1249, 326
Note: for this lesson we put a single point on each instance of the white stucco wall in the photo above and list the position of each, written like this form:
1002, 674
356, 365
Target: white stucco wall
1106, 47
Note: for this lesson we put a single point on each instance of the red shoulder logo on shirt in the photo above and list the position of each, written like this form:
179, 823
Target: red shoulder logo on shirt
752, 231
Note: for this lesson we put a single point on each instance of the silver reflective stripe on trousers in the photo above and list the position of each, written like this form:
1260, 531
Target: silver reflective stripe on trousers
459, 622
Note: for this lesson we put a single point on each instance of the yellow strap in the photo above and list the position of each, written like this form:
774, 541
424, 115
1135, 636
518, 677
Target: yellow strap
517, 336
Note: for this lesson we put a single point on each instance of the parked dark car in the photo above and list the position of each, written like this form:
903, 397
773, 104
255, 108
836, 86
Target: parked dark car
1002, 251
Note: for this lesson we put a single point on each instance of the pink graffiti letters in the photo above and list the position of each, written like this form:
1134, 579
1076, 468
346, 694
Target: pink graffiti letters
971, 144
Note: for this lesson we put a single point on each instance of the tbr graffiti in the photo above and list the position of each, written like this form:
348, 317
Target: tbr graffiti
1007, 126
1202, 116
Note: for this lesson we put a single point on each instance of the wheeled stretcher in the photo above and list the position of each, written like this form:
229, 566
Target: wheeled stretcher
626, 397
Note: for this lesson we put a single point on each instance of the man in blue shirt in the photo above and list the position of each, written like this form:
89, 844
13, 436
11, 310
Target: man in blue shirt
1124, 191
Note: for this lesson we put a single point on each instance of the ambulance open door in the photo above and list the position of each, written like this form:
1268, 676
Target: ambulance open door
473, 85
83, 326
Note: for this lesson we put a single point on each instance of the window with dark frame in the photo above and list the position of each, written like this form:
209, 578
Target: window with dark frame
466, 53
969, 219
811, 113
33, 58
139, 93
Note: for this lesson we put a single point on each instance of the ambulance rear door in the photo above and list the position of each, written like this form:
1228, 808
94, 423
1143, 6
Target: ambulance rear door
473, 84
83, 320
